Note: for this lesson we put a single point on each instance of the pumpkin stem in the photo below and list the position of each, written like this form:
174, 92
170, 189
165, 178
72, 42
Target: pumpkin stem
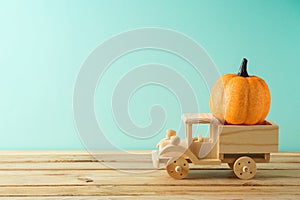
243, 69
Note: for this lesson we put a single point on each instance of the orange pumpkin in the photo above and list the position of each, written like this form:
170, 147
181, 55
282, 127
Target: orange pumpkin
240, 98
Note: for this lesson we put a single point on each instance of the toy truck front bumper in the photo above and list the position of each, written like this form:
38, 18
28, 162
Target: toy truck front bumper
157, 159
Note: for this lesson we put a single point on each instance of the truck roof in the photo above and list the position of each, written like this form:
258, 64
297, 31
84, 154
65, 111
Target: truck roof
197, 118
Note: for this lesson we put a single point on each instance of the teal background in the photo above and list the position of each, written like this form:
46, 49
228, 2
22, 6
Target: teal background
44, 43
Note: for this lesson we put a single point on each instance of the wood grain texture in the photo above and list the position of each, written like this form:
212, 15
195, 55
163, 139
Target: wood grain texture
249, 139
53, 175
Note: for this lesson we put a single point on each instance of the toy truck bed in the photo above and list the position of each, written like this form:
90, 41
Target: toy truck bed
258, 140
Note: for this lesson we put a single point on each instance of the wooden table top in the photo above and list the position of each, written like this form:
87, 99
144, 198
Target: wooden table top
77, 175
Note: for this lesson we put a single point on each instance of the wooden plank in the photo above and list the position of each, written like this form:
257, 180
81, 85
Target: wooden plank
76, 158
285, 157
138, 177
159, 197
147, 190
103, 152
69, 152
127, 165
52, 153
83, 156
76, 175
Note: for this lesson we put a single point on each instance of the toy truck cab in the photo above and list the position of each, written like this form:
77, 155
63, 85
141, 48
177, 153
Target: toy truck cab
241, 146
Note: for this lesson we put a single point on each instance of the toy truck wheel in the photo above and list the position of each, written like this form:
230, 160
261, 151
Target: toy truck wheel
178, 169
244, 167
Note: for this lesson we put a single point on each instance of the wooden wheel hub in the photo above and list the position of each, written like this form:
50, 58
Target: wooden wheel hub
244, 167
178, 168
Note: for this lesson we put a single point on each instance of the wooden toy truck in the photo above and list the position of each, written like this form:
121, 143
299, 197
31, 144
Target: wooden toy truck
241, 146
